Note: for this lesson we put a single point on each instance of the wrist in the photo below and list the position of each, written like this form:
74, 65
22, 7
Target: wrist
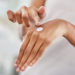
69, 28
70, 34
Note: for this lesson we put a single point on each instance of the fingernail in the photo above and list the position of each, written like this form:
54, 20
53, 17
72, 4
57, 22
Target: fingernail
38, 23
22, 68
31, 64
18, 70
14, 21
15, 65
28, 68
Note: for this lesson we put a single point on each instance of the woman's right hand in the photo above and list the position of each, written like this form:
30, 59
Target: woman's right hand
27, 15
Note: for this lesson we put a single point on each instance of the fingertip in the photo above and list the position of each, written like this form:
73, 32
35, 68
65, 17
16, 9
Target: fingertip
14, 20
41, 10
8, 11
15, 65
11, 16
22, 68
42, 7
31, 64
17, 70
38, 24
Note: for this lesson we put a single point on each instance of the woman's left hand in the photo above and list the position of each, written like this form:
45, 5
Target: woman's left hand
35, 42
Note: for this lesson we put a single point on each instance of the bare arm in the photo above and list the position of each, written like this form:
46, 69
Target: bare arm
71, 33
35, 42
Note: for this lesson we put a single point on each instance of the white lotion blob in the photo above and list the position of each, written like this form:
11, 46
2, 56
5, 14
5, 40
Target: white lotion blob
39, 29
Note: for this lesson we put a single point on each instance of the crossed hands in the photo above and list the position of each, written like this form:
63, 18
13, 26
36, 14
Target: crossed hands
35, 42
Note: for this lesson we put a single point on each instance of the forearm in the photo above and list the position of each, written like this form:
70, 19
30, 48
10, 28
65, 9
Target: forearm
37, 3
71, 33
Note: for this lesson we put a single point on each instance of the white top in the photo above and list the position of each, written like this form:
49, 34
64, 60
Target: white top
59, 58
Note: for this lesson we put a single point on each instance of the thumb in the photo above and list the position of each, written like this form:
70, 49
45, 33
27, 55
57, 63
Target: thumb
41, 11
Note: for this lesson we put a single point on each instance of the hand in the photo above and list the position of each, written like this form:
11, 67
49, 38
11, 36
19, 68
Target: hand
35, 42
27, 15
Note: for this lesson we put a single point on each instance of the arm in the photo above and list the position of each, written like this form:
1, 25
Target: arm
70, 33
36, 42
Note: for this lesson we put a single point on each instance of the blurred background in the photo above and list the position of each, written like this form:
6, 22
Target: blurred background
9, 38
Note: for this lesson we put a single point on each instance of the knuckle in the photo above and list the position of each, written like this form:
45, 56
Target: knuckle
24, 16
11, 19
41, 38
29, 33
23, 7
26, 52
17, 13
8, 12
35, 34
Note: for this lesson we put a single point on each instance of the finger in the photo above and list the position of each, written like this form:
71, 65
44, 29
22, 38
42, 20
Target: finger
11, 16
34, 52
40, 52
29, 48
25, 42
18, 17
34, 17
41, 11
25, 16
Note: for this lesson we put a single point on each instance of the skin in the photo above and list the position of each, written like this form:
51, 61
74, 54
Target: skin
28, 16
35, 42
